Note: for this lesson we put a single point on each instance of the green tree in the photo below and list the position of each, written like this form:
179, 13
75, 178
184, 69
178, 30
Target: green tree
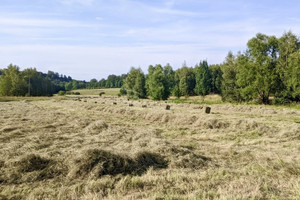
293, 72
169, 79
203, 79
176, 89
75, 85
156, 83
68, 86
102, 83
37, 84
135, 83
288, 45
12, 83
93, 83
230, 90
257, 75
216, 79
186, 82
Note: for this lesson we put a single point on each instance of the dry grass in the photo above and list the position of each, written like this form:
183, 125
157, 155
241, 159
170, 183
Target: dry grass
65, 149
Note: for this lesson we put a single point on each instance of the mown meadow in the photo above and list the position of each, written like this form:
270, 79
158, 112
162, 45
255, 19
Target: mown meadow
109, 147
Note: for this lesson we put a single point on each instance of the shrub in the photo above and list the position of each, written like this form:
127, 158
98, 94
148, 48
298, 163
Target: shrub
61, 93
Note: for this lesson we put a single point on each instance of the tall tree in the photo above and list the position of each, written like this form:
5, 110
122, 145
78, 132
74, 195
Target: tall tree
135, 83
187, 80
288, 45
156, 83
37, 84
293, 72
230, 90
257, 74
216, 79
203, 79
93, 83
169, 79
12, 83
176, 89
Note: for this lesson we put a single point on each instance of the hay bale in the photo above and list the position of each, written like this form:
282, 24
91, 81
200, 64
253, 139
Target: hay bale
144, 106
130, 105
207, 110
114, 103
168, 107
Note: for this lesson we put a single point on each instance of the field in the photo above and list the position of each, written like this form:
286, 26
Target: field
107, 92
93, 147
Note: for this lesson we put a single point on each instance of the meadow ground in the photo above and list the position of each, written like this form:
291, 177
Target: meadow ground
101, 148
107, 92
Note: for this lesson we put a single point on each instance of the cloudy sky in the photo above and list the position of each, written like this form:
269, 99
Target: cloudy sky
94, 38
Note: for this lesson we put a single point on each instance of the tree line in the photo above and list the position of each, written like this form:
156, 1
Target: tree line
269, 69
162, 82
30, 82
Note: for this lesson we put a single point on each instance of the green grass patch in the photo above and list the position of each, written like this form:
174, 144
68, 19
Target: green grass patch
105, 92
11, 98
209, 100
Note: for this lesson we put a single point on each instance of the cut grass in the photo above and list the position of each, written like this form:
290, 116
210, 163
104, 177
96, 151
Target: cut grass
81, 150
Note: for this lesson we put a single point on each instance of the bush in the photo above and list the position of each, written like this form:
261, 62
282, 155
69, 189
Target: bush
77, 93
123, 92
61, 93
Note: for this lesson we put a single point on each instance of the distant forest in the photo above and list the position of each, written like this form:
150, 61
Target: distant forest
267, 72
30, 82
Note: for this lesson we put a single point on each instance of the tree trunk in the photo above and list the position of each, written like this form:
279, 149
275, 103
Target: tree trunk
264, 98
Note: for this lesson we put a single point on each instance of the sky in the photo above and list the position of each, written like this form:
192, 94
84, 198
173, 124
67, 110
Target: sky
88, 39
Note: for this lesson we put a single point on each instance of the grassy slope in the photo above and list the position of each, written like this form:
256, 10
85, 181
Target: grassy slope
60, 149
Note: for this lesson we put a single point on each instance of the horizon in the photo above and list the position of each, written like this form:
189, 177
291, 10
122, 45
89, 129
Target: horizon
88, 39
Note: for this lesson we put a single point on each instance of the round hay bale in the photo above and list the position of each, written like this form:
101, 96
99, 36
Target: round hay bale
130, 105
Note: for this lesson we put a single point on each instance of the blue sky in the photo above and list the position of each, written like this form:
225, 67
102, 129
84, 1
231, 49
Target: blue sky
94, 38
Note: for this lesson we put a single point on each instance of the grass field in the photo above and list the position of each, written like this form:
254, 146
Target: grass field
108, 92
102, 148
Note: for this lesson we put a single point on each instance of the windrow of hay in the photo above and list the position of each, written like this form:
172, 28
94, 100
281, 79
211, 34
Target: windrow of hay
97, 163
95, 127
199, 121
186, 158
33, 167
